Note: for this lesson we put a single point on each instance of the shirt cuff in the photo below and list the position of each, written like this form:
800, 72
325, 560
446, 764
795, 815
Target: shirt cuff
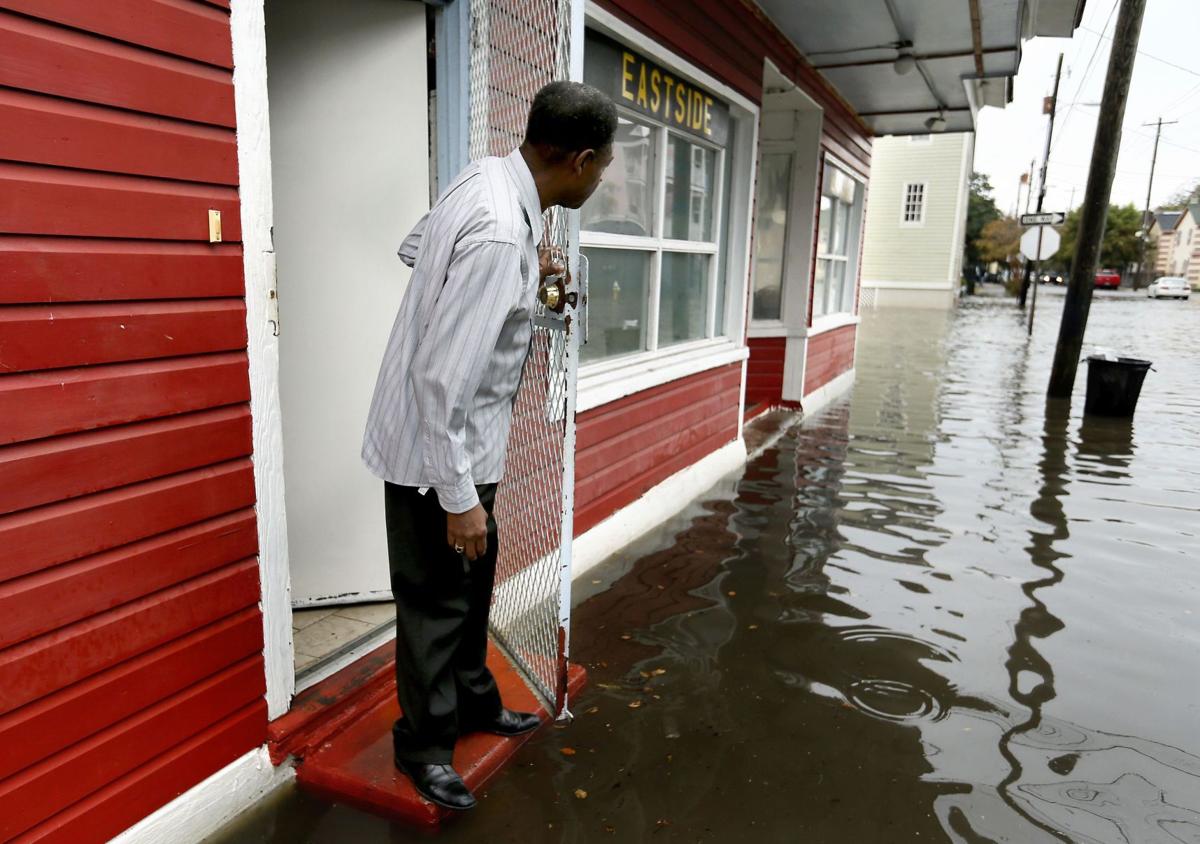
458, 498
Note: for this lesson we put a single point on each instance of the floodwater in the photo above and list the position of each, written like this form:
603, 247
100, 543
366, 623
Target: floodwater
939, 611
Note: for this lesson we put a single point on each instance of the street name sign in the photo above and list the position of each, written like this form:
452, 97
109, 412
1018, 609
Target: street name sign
1048, 218
1049, 242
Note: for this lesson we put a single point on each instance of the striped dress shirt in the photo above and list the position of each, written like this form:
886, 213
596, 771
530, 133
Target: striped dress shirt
443, 401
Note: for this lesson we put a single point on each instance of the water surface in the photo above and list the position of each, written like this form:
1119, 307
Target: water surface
942, 610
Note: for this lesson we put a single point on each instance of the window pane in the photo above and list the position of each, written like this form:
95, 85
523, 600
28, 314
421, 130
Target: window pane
837, 284
824, 225
841, 215
619, 280
770, 227
820, 284
624, 202
683, 302
691, 188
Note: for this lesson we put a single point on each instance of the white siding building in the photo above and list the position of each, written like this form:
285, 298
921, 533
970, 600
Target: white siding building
916, 220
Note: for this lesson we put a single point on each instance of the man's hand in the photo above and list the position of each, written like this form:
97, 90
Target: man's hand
549, 263
468, 531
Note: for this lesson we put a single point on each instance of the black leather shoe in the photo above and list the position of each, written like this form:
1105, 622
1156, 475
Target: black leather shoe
509, 723
438, 784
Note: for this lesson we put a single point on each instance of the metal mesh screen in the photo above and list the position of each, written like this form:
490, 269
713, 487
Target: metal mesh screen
517, 46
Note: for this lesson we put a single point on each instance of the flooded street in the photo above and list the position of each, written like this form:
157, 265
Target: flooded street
939, 611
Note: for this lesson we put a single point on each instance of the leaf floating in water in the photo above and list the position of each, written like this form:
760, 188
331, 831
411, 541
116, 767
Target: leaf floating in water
752, 627
635, 704
581, 794
567, 751
592, 711
658, 672
625, 637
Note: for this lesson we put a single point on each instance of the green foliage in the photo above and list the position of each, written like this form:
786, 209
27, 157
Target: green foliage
1121, 243
981, 210
1000, 241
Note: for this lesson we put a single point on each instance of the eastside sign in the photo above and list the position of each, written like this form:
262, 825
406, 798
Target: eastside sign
635, 82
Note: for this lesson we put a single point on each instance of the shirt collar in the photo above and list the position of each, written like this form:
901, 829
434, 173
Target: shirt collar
519, 171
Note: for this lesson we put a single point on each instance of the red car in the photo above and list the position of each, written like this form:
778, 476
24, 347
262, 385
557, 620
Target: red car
1108, 278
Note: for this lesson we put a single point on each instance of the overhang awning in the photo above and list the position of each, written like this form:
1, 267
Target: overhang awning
904, 64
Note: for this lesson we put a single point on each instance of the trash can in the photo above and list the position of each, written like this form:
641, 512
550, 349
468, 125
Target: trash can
1113, 386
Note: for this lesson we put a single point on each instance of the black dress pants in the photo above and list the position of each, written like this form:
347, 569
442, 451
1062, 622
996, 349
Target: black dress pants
442, 601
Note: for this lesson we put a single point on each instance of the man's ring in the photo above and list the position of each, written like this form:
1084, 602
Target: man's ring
458, 549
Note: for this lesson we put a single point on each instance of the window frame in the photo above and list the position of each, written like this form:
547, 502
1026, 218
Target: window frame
850, 260
657, 243
919, 221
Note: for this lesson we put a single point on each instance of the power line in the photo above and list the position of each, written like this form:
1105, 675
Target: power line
1087, 70
1147, 55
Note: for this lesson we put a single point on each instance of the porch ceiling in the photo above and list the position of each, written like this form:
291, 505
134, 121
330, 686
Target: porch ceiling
966, 53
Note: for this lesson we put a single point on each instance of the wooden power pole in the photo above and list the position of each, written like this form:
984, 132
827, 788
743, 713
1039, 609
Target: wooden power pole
1141, 280
1095, 200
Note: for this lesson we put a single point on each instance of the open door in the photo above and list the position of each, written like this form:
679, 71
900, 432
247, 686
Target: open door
350, 170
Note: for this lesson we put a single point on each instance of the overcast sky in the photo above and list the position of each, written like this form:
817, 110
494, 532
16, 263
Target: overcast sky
1008, 139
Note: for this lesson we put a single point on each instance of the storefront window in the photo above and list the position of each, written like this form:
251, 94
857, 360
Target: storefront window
837, 242
683, 303
618, 302
770, 227
624, 202
691, 181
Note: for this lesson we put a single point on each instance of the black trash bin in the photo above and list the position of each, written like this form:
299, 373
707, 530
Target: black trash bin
1113, 386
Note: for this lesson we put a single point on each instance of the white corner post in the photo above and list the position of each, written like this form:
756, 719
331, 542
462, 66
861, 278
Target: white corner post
262, 326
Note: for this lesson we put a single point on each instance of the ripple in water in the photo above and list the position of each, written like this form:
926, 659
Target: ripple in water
872, 635
894, 700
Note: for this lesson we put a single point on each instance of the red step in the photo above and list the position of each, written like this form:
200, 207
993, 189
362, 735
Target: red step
347, 750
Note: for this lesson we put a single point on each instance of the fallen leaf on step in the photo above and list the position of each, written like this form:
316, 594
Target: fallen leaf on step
635, 704
581, 794
567, 751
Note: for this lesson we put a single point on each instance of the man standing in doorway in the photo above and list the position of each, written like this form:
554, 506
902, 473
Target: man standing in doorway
439, 421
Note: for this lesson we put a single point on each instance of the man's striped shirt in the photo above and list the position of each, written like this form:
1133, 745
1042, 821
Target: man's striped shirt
443, 401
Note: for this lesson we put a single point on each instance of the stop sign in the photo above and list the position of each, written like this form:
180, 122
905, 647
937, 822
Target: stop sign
1029, 242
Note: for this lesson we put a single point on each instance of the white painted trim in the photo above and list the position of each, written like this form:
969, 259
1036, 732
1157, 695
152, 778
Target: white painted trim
262, 315
767, 328
605, 20
831, 322
202, 810
795, 360
820, 398
742, 398
656, 506
604, 387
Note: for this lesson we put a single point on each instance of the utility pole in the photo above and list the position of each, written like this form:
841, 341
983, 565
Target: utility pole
1050, 106
1095, 200
1140, 280
1029, 193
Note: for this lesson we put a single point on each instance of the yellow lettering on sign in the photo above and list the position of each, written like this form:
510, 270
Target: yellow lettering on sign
708, 101
626, 75
655, 97
680, 103
670, 84
641, 95
696, 110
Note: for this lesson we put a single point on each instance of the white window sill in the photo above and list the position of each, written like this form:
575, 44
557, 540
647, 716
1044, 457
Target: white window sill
831, 322
607, 381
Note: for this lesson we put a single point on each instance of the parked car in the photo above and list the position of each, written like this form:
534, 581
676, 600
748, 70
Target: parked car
1108, 278
1053, 278
1169, 287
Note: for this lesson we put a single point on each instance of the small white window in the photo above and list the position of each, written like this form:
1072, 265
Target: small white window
920, 139
913, 213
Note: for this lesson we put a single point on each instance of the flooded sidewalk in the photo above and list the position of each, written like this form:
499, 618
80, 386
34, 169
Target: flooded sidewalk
942, 610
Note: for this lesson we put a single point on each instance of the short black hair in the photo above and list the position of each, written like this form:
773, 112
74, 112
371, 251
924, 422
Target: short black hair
570, 116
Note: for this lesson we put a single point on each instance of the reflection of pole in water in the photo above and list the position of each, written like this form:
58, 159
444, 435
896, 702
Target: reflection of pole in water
1036, 621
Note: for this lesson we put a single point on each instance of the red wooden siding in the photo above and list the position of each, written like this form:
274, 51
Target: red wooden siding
764, 371
829, 355
628, 446
130, 634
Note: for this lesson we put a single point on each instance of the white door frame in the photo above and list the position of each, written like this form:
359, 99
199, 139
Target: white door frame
254, 171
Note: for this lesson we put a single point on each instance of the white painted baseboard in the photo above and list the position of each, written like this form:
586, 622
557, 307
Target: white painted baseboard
653, 508
201, 811
819, 398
